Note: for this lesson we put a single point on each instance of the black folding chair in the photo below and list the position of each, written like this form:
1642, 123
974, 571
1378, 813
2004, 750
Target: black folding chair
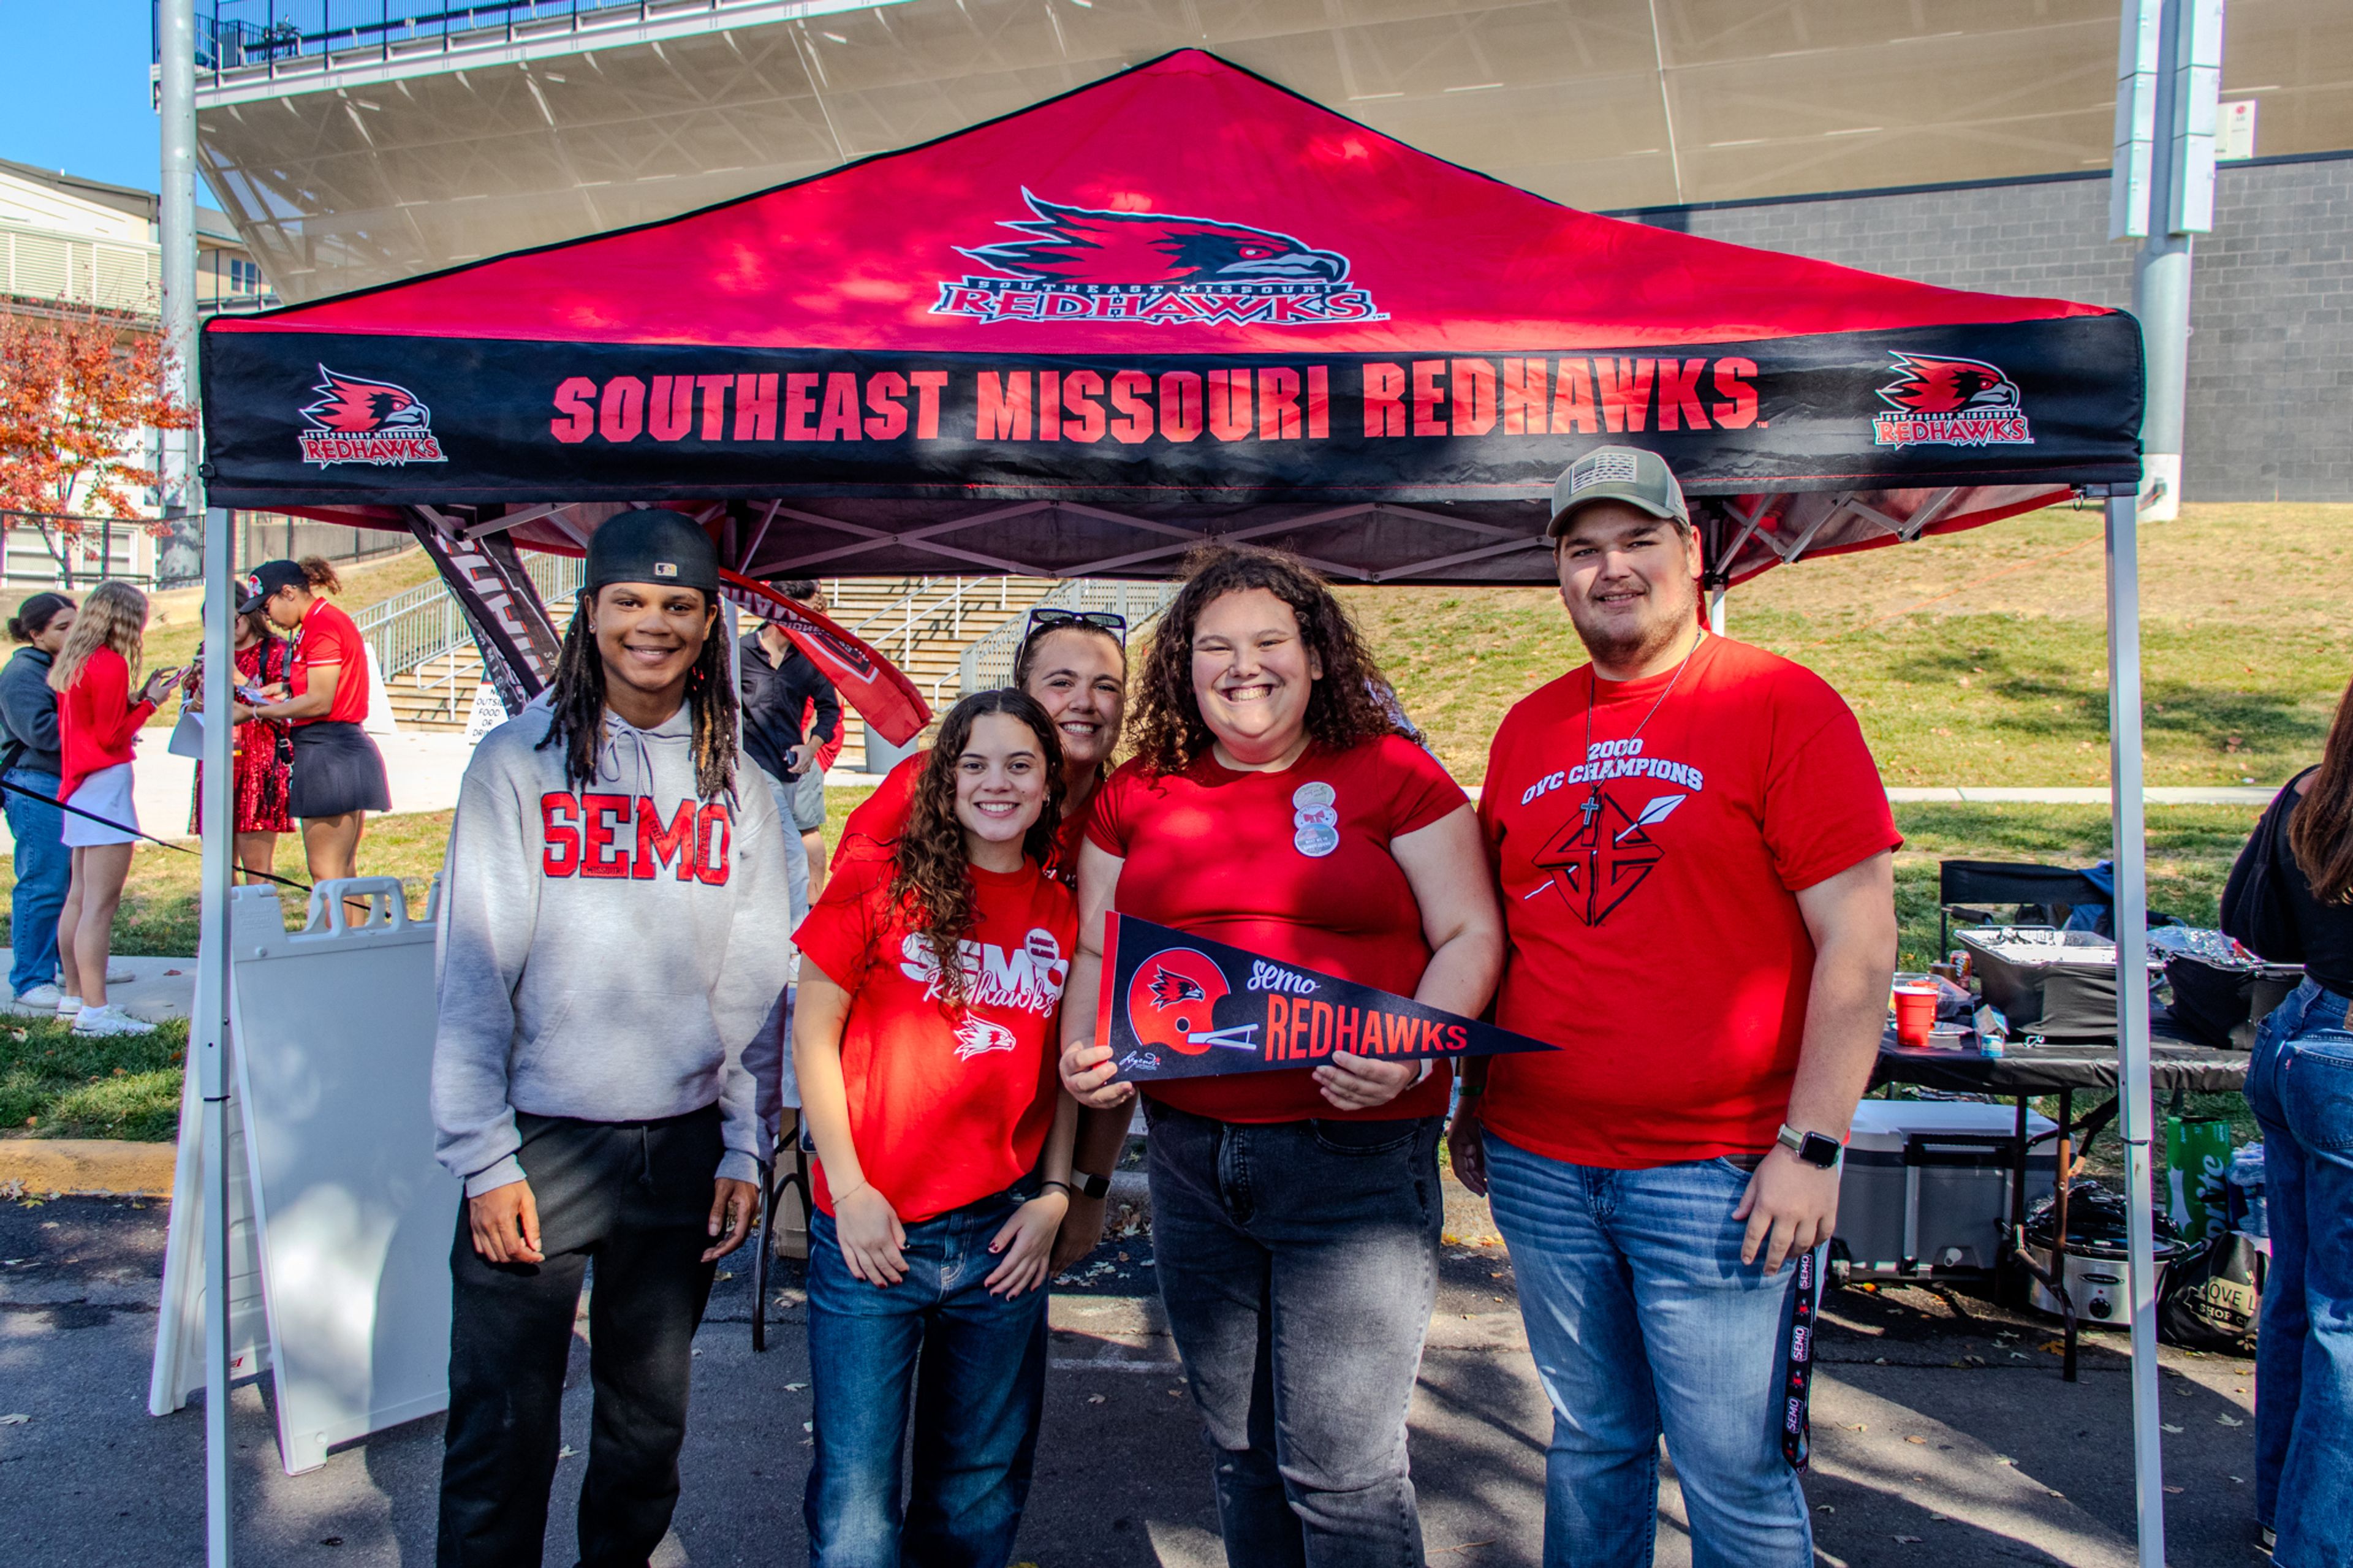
2037, 895
787, 1170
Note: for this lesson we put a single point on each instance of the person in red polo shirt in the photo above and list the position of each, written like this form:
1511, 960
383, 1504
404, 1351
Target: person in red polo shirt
1295, 1214
338, 774
922, 1037
1694, 850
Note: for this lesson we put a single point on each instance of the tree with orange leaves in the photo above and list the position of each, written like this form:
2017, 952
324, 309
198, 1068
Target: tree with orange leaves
77, 395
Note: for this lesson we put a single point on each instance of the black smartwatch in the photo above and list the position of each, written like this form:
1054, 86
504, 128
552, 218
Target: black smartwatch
1814, 1148
1088, 1185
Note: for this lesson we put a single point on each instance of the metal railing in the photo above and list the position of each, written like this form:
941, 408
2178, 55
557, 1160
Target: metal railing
918, 622
989, 662
274, 34
417, 626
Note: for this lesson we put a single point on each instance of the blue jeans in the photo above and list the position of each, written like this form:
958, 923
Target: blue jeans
1644, 1322
1298, 1263
2300, 1084
44, 867
977, 1389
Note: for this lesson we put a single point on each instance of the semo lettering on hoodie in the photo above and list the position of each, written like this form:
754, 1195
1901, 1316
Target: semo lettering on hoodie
624, 836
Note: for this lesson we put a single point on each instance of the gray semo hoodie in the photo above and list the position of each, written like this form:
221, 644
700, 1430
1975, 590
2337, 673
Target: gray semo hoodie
603, 953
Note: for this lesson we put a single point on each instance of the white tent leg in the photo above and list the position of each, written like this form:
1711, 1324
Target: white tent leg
2130, 859
1715, 611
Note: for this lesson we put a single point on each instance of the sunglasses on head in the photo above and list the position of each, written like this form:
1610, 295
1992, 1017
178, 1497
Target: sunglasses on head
1045, 619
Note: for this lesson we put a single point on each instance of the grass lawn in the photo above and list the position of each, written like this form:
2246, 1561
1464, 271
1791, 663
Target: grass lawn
55, 1083
1977, 657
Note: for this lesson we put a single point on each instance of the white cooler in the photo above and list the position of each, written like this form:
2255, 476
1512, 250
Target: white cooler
1926, 1186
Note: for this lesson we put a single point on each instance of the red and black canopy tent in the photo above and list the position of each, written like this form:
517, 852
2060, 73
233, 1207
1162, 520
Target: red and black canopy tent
1002, 352
1179, 303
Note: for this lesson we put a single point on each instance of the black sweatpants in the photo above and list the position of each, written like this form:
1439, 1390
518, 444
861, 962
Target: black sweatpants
635, 1197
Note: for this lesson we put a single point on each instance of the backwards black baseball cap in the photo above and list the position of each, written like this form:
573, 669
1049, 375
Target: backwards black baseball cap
265, 582
651, 545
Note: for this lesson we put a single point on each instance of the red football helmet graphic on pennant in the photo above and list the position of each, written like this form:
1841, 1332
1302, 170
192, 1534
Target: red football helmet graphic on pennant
1171, 1000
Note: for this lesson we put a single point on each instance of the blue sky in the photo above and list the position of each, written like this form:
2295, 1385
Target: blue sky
77, 97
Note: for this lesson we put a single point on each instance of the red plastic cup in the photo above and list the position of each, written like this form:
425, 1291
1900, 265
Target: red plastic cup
1916, 1009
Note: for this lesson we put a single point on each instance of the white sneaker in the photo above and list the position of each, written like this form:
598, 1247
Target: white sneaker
41, 998
109, 1021
69, 1005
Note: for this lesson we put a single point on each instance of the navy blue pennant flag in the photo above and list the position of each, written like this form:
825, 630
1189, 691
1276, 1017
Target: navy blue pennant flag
1178, 1006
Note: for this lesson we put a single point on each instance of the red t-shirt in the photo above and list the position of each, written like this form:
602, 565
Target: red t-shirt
945, 1108
872, 829
1661, 947
97, 724
1227, 855
330, 636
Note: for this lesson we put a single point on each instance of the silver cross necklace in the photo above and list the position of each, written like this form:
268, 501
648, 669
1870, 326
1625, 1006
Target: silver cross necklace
1592, 807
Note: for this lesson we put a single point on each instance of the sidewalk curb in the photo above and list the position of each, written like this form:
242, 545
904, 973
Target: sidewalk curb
89, 1167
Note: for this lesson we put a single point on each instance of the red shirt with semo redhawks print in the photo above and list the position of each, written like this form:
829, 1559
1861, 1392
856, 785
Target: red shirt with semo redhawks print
947, 1104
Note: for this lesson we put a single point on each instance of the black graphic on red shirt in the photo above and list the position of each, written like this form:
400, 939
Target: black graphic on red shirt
1603, 852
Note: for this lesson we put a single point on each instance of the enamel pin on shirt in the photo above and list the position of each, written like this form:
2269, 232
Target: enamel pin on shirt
1315, 824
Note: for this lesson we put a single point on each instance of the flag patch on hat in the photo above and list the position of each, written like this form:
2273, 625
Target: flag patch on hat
1601, 468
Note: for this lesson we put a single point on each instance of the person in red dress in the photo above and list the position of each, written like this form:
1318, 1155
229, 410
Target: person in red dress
257, 784
1273, 805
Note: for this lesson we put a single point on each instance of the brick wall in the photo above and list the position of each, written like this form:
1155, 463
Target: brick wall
2271, 346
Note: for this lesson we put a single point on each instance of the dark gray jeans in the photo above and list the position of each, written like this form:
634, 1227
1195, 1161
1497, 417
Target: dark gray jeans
1299, 1265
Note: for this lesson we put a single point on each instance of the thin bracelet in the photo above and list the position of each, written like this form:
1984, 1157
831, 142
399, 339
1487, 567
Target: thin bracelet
862, 1181
1067, 1191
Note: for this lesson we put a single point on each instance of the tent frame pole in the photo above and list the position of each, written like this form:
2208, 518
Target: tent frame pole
2134, 1097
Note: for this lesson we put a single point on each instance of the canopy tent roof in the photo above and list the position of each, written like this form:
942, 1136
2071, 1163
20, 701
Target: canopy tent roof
1177, 303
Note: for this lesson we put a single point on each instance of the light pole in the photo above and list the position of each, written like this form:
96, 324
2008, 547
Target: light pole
2168, 86
175, 34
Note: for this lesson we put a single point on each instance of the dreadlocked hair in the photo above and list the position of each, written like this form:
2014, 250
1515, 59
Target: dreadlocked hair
1350, 704
931, 877
577, 706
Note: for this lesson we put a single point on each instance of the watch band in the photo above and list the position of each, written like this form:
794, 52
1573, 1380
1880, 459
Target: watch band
1090, 1185
1816, 1148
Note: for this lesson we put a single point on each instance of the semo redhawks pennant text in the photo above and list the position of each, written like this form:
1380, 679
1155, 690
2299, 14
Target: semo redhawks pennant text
1178, 1005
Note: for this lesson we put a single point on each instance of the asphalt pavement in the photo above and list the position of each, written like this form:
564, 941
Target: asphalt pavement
1943, 1433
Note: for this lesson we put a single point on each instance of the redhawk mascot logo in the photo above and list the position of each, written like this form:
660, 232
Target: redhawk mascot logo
1948, 385
356, 420
1072, 245
1949, 402
1146, 266
1170, 1000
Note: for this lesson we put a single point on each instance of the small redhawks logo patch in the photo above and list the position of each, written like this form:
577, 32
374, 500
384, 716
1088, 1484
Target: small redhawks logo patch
360, 421
1949, 402
1074, 263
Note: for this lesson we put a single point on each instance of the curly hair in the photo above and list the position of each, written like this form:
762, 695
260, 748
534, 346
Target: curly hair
577, 706
930, 879
1352, 702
